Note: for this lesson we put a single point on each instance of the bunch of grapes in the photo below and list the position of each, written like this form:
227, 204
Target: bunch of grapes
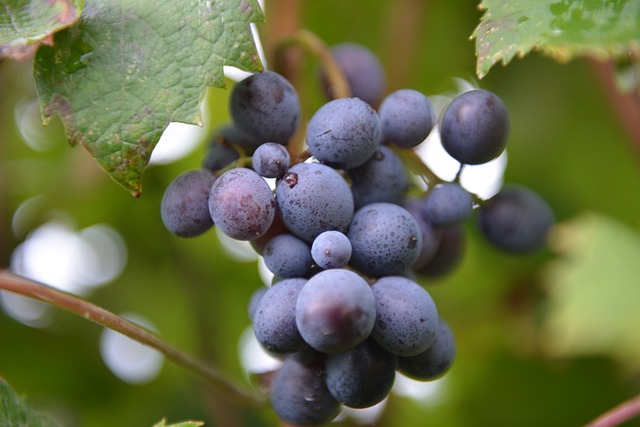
346, 232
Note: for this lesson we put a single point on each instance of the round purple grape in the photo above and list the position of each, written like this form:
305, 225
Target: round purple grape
385, 238
335, 311
184, 206
241, 204
265, 107
287, 256
313, 198
475, 127
406, 316
407, 117
344, 133
331, 249
274, 318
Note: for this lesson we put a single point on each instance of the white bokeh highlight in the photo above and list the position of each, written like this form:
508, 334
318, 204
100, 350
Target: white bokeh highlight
177, 141
57, 255
132, 362
422, 392
254, 359
237, 250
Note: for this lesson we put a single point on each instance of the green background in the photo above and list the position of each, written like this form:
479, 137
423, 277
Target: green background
568, 142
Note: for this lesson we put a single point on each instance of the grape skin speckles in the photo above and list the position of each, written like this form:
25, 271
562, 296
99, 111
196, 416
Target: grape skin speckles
385, 238
241, 204
344, 133
265, 107
313, 198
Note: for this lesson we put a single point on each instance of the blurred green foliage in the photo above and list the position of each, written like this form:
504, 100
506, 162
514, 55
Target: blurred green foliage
568, 142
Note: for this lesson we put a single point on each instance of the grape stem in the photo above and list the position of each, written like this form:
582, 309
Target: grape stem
618, 415
224, 387
415, 164
314, 45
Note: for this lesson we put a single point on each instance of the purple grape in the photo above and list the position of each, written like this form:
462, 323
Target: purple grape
313, 198
435, 361
265, 107
271, 160
475, 127
430, 238
407, 117
229, 136
516, 220
335, 311
287, 256
331, 249
299, 395
385, 238
448, 255
361, 377
184, 206
448, 204
274, 319
382, 178
406, 316
344, 133
241, 204
363, 71
256, 296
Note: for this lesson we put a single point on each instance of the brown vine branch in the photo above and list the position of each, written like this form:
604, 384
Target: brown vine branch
314, 45
627, 105
618, 415
224, 387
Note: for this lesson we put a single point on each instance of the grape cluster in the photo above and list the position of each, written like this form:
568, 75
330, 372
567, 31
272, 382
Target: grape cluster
346, 232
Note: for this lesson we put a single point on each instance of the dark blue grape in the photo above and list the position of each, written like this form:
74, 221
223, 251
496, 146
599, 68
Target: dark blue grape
382, 178
335, 311
184, 206
274, 320
406, 316
229, 136
299, 395
344, 133
363, 71
516, 220
407, 117
256, 296
475, 127
219, 156
448, 204
361, 377
313, 198
241, 204
430, 238
265, 107
435, 361
287, 256
271, 160
385, 239
331, 249
448, 255
277, 227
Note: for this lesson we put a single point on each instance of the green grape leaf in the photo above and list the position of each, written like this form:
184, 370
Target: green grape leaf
14, 412
127, 69
561, 29
163, 423
594, 290
27, 24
